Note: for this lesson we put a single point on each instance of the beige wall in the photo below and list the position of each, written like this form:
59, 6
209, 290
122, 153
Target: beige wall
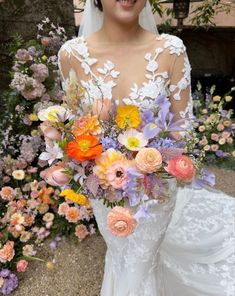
221, 20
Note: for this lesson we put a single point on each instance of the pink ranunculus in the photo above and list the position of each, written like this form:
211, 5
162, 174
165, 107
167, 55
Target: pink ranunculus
55, 175
50, 132
116, 174
21, 265
121, 222
102, 109
182, 168
220, 127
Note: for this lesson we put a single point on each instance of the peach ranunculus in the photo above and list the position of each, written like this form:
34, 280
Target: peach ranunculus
121, 222
86, 125
182, 168
116, 173
148, 160
81, 231
104, 162
55, 175
7, 252
21, 265
102, 109
7, 193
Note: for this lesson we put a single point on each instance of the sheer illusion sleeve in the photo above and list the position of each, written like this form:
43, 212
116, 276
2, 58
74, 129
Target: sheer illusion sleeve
65, 66
180, 83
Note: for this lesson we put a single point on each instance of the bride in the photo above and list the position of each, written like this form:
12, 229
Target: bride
187, 247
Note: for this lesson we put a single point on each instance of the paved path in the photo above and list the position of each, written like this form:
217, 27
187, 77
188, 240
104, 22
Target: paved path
79, 266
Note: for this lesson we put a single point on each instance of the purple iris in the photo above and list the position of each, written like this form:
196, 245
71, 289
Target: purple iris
164, 121
133, 187
207, 178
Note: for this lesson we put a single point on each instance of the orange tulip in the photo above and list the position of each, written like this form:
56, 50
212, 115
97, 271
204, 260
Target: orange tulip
83, 148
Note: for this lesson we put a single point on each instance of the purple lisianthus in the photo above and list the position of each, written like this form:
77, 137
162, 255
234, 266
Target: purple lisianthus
10, 282
108, 143
220, 153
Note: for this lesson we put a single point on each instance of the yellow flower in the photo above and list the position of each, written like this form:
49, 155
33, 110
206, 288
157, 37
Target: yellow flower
128, 116
80, 199
18, 174
216, 98
104, 162
233, 153
33, 117
50, 265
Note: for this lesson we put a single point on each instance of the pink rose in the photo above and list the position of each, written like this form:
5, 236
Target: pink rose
220, 127
102, 108
214, 147
121, 222
214, 137
50, 132
225, 135
116, 174
182, 168
229, 140
55, 175
21, 265
148, 160
45, 41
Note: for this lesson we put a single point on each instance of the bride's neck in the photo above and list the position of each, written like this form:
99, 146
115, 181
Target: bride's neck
113, 32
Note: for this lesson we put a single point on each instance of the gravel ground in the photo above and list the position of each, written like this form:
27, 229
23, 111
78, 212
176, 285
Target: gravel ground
79, 266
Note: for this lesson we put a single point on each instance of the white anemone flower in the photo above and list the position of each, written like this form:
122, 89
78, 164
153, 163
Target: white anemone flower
133, 140
51, 154
54, 113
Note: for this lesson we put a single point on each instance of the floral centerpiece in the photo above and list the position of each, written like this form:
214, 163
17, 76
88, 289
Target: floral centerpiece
117, 153
215, 127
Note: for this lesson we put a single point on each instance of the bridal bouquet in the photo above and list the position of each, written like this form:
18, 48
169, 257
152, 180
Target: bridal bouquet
117, 153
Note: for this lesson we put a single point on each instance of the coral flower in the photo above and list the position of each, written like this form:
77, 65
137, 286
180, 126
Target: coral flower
86, 125
72, 215
121, 222
104, 162
63, 208
81, 231
7, 252
128, 116
80, 199
182, 168
7, 193
21, 265
84, 148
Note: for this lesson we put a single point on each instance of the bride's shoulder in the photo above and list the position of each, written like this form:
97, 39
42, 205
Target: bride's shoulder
75, 45
173, 43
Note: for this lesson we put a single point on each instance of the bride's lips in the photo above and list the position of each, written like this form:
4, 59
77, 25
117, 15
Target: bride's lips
127, 3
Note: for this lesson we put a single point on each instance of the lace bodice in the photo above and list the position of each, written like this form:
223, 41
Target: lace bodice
167, 69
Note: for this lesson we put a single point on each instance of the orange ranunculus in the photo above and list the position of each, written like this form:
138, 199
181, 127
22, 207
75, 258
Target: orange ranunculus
86, 125
84, 148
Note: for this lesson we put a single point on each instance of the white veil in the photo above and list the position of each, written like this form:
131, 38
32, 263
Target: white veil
93, 18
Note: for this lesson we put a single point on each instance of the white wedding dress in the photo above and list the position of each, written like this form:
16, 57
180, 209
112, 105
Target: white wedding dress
188, 247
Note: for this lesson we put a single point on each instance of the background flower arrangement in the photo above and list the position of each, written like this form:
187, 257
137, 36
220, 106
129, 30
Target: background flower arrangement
30, 209
215, 127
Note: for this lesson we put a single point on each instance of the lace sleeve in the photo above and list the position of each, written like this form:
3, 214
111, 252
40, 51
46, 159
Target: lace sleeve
180, 82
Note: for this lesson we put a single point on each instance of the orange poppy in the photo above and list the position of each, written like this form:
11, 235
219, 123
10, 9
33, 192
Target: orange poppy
83, 148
